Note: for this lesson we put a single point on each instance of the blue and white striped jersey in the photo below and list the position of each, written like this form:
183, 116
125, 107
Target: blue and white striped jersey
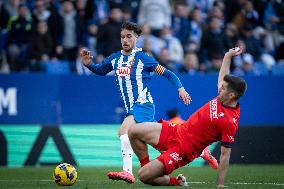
133, 75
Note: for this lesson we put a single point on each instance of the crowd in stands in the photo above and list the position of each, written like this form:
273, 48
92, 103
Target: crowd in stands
185, 36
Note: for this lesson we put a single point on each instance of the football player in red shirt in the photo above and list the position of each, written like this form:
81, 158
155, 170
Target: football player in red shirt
215, 121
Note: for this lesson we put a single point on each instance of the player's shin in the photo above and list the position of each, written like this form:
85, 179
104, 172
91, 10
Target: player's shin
166, 180
139, 147
127, 153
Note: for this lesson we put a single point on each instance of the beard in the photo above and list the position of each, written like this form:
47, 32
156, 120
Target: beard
221, 99
127, 49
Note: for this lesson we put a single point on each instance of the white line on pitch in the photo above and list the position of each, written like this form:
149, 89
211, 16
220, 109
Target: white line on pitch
242, 183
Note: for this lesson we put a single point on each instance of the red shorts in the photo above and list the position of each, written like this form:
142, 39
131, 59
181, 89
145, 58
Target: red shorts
174, 155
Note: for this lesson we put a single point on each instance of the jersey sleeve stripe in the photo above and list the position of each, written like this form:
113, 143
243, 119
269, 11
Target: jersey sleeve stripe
160, 69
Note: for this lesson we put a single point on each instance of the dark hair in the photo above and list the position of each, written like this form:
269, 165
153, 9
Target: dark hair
172, 113
131, 26
236, 84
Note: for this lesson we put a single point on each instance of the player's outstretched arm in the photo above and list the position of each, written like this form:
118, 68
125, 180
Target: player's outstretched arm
223, 166
86, 57
175, 80
99, 69
225, 68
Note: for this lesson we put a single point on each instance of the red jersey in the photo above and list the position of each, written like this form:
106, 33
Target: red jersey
211, 123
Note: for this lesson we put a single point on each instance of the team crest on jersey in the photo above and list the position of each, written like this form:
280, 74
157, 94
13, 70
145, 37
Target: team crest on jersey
124, 71
172, 124
131, 61
221, 114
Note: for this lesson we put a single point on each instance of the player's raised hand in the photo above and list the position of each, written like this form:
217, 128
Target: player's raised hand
86, 57
184, 96
234, 51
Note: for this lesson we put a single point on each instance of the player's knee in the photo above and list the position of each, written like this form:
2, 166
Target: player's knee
119, 133
142, 175
132, 131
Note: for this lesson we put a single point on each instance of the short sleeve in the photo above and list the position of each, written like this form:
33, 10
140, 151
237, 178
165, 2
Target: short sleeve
150, 63
228, 135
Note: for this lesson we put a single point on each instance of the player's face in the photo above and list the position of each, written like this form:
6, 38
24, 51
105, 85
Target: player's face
128, 40
224, 94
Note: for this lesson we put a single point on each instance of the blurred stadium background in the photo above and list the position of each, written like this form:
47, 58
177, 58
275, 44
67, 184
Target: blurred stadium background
54, 110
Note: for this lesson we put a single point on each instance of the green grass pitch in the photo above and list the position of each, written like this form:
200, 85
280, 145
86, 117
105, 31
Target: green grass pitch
239, 176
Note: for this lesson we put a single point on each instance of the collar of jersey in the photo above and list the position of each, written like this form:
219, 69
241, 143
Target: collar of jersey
133, 51
230, 107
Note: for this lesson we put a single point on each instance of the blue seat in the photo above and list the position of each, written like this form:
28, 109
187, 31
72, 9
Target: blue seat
278, 69
58, 67
260, 69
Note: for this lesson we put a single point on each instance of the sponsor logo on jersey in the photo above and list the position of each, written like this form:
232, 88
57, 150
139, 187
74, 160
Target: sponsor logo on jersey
221, 114
172, 124
213, 109
123, 71
235, 120
175, 156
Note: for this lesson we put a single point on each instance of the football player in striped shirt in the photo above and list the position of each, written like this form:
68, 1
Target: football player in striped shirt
132, 68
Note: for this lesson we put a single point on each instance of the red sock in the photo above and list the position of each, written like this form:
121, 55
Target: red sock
144, 161
173, 181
